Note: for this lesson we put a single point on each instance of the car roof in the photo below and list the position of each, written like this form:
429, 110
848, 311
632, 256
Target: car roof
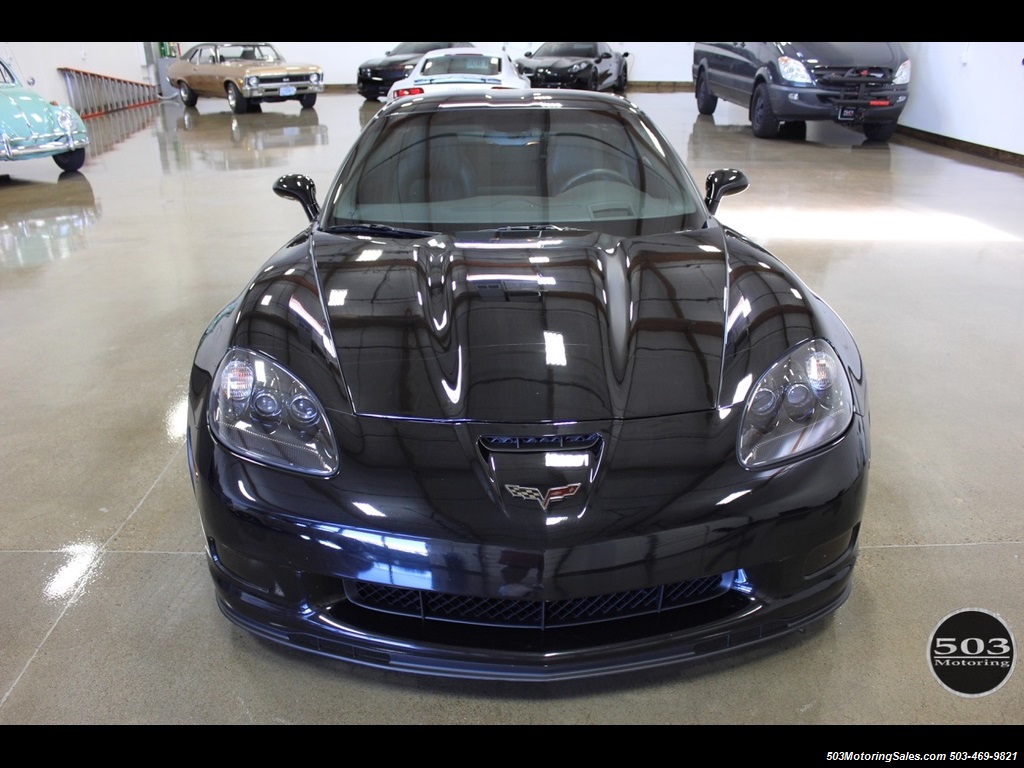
198, 45
439, 52
533, 98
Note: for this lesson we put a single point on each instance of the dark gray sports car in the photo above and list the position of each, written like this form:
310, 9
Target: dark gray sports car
516, 405
585, 66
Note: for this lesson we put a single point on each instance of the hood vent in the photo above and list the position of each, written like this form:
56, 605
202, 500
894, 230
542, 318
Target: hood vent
509, 291
513, 444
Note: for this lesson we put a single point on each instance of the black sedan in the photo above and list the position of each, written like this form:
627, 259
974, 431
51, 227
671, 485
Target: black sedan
375, 77
515, 405
584, 66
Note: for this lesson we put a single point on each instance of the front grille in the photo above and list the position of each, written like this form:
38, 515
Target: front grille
854, 86
846, 76
536, 614
284, 79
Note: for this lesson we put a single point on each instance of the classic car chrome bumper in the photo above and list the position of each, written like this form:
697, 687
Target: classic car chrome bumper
281, 90
40, 146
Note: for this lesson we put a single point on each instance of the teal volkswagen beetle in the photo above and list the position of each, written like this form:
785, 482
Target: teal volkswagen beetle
31, 126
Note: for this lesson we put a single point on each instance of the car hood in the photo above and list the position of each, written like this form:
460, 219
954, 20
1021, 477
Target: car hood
553, 62
269, 69
847, 54
24, 113
585, 327
388, 62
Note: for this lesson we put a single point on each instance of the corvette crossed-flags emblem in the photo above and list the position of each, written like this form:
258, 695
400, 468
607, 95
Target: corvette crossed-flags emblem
544, 499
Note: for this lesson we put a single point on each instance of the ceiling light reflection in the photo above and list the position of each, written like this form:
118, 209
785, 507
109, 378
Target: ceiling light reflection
176, 421
81, 558
554, 346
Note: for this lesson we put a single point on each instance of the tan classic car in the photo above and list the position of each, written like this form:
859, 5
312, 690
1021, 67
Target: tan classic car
246, 74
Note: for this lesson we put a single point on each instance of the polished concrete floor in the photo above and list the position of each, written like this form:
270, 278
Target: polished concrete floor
108, 277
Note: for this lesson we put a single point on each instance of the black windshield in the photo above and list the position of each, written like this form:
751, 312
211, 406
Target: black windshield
481, 168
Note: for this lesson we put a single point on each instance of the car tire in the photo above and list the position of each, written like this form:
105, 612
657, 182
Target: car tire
623, 81
70, 161
238, 103
188, 97
763, 121
593, 85
879, 131
308, 100
706, 100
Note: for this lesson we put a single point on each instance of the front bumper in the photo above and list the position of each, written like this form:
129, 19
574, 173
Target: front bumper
282, 91
803, 103
705, 578
579, 81
377, 85
16, 148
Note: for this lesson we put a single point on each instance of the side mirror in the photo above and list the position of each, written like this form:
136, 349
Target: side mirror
724, 182
528, 54
301, 189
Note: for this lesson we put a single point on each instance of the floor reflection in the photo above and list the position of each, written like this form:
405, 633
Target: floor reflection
109, 129
732, 144
42, 222
226, 141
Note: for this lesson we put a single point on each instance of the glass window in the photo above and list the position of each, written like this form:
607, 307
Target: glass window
482, 168
569, 50
463, 65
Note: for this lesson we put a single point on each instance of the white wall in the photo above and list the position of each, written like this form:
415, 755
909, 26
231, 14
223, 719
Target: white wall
971, 92
41, 61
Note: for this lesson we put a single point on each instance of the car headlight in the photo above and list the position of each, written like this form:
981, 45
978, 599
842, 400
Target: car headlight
902, 74
802, 403
67, 119
253, 81
261, 411
793, 70
314, 78
579, 66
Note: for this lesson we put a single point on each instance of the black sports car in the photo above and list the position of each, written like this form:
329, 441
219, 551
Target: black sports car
584, 66
516, 405
375, 77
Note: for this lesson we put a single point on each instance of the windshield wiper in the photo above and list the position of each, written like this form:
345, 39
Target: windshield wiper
379, 230
537, 228
534, 228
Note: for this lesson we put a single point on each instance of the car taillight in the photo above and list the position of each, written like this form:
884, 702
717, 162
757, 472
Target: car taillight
408, 92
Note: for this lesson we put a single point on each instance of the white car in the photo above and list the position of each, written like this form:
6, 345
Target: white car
459, 69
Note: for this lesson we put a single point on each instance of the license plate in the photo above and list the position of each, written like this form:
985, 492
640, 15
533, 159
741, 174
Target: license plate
288, 90
847, 113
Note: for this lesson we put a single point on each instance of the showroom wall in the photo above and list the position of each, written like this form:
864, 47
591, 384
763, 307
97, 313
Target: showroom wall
961, 90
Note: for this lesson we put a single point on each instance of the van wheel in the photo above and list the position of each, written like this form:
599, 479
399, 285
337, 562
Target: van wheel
763, 121
706, 100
